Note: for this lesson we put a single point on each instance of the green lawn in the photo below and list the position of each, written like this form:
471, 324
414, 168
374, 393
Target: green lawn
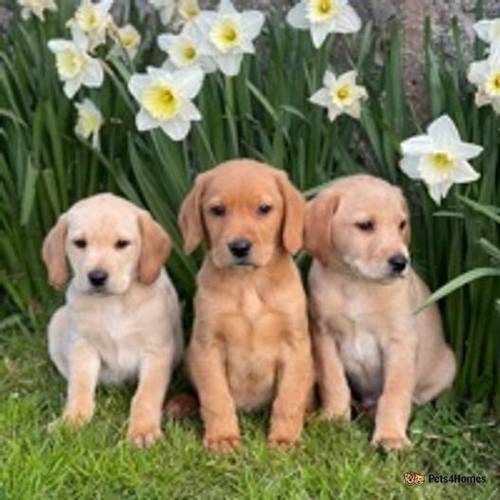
333, 461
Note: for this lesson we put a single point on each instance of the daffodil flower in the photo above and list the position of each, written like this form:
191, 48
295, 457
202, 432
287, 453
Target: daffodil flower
129, 39
89, 122
488, 30
185, 49
188, 10
92, 19
74, 65
230, 35
340, 95
166, 9
165, 99
486, 76
323, 17
439, 158
36, 8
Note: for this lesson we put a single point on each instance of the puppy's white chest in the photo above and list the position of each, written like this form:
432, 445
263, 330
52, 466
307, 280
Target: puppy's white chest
109, 329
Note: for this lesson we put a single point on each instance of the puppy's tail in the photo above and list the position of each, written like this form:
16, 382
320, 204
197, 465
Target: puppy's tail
183, 405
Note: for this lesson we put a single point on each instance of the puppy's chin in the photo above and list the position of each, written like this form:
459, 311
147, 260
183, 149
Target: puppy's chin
223, 260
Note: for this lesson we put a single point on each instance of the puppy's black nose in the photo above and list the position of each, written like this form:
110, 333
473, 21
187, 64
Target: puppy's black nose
398, 263
240, 248
97, 277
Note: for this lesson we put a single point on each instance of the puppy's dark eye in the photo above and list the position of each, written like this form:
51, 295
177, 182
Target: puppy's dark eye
366, 226
264, 209
121, 244
218, 210
402, 225
80, 243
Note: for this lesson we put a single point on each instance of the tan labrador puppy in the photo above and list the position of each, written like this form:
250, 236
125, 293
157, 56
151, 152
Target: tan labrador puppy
250, 344
363, 293
121, 319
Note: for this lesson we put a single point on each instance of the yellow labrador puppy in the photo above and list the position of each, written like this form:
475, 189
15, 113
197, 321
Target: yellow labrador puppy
121, 319
363, 293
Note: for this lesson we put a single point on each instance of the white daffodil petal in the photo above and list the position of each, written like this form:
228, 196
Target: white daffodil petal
482, 29
347, 21
464, 173
176, 129
190, 112
137, 84
333, 113
478, 72
58, 45
321, 98
349, 78
418, 145
465, 150
230, 64
226, 7
144, 121
354, 110
166, 41
439, 191
443, 132
297, 17
329, 80
190, 80
94, 75
71, 87
410, 165
252, 23
319, 33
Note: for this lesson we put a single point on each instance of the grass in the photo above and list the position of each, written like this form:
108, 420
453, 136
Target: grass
333, 461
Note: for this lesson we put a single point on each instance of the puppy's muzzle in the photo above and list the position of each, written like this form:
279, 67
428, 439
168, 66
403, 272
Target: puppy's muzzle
398, 264
98, 278
240, 250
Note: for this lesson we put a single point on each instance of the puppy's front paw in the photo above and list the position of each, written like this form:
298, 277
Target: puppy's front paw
74, 417
282, 441
342, 415
221, 443
78, 415
143, 434
390, 441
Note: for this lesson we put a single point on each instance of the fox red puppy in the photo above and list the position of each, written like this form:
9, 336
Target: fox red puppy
250, 344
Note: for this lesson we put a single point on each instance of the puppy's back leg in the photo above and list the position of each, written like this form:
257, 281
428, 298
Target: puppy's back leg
57, 341
440, 379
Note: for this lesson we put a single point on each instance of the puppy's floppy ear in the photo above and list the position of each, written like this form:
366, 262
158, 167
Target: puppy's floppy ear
294, 214
155, 248
54, 253
407, 229
190, 218
317, 226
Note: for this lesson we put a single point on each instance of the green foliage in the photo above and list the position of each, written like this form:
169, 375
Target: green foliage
262, 113
333, 461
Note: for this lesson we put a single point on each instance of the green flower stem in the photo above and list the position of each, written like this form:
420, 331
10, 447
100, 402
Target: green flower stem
230, 114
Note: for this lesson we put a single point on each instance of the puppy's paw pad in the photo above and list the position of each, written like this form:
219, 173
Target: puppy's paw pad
221, 444
144, 436
391, 443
